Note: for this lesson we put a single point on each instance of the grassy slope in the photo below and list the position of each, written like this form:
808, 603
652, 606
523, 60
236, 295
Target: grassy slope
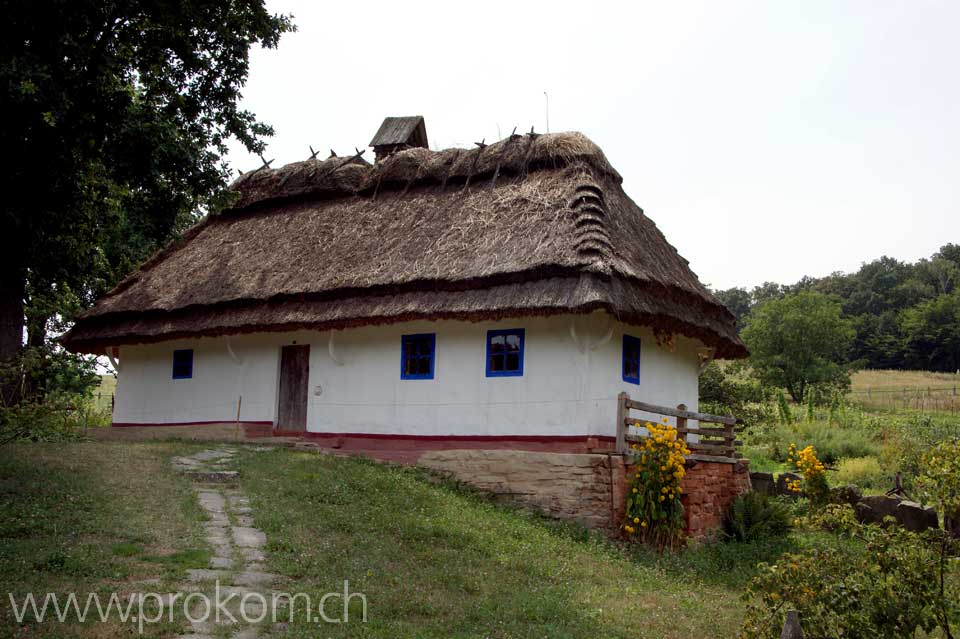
439, 562
433, 559
93, 517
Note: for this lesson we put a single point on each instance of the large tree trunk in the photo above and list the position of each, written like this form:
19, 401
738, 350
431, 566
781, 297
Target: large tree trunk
12, 283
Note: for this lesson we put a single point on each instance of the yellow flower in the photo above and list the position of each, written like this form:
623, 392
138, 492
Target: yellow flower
636, 520
643, 524
635, 490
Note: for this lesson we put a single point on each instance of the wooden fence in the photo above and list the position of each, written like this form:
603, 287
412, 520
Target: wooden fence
714, 441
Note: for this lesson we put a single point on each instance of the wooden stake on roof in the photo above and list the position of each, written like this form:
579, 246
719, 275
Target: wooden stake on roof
526, 159
481, 146
446, 175
333, 154
266, 164
510, 138
313, 154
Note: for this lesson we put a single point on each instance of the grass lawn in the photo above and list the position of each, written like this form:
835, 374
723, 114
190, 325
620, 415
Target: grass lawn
93, 517
433, 559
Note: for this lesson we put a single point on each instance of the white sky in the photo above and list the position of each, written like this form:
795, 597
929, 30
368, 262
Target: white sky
767, 140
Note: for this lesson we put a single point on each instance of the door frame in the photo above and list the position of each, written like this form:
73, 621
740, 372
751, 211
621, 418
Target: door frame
278, 378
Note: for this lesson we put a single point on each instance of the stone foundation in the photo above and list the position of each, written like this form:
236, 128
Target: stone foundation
589, 488
566, 486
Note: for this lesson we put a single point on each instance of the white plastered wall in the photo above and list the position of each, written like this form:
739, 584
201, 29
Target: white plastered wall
569, 386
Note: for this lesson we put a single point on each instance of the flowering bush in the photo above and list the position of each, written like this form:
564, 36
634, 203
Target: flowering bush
813, 471
654, 513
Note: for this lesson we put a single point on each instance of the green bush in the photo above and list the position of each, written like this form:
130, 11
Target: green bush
889, 587
753, 516
865, 472
832, 442
58, 418
731, 388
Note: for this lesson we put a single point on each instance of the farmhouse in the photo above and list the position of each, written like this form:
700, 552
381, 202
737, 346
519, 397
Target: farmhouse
494, 297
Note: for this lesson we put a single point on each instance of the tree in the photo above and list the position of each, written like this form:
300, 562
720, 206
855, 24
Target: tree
738, 301
931, 333
766, 291
116, 118
798, 342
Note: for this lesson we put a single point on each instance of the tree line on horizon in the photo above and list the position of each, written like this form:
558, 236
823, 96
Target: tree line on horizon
904, 315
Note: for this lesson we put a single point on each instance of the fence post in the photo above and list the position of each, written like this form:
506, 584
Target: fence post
621, 422
791, 626
682, 421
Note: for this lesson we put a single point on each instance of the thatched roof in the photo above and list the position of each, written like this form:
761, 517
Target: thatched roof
531, 225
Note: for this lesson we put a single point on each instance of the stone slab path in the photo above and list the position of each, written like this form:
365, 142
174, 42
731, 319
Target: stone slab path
236, 569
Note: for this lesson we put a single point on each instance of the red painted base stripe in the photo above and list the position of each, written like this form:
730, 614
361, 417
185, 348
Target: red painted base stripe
441, 438
152, 425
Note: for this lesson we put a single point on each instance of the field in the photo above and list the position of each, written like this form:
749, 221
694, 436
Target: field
906, 390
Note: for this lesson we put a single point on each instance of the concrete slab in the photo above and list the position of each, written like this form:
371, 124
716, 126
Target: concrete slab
253, 554
246, 537
253, 578
204, 574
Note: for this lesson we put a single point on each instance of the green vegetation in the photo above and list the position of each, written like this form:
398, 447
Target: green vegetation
754, 516
905, 316
799, 342
119, 117
436, 561
85, 517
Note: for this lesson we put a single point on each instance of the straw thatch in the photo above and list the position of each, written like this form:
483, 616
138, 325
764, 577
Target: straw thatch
526, 226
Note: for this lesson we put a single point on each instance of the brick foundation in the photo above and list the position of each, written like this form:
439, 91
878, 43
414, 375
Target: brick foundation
589, 488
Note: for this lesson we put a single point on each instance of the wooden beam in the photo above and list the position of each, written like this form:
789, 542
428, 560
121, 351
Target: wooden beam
622, 400
729, 420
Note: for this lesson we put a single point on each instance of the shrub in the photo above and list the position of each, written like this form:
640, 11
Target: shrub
865, 472
654, 513
890, 588
731, 385
58, 418
753, 516
838, 518
814, 474
939, 481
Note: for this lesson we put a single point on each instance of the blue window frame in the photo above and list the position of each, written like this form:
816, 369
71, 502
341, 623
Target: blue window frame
505, 353
183, 364
631, 359
417, 354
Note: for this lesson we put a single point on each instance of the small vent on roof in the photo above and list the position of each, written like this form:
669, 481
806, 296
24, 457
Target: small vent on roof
398, 133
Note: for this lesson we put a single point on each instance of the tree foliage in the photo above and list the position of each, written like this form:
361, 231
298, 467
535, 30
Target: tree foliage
116, 117
903, 314
798, 342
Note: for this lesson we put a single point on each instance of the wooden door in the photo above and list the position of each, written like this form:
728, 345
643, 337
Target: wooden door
294, 377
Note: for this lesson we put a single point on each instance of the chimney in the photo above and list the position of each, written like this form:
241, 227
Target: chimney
399, 133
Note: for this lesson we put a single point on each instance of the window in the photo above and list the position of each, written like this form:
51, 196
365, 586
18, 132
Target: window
183, 364
631, 359
416, 356
505, 353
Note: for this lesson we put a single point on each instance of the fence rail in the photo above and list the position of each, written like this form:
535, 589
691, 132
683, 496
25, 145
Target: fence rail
719, 441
